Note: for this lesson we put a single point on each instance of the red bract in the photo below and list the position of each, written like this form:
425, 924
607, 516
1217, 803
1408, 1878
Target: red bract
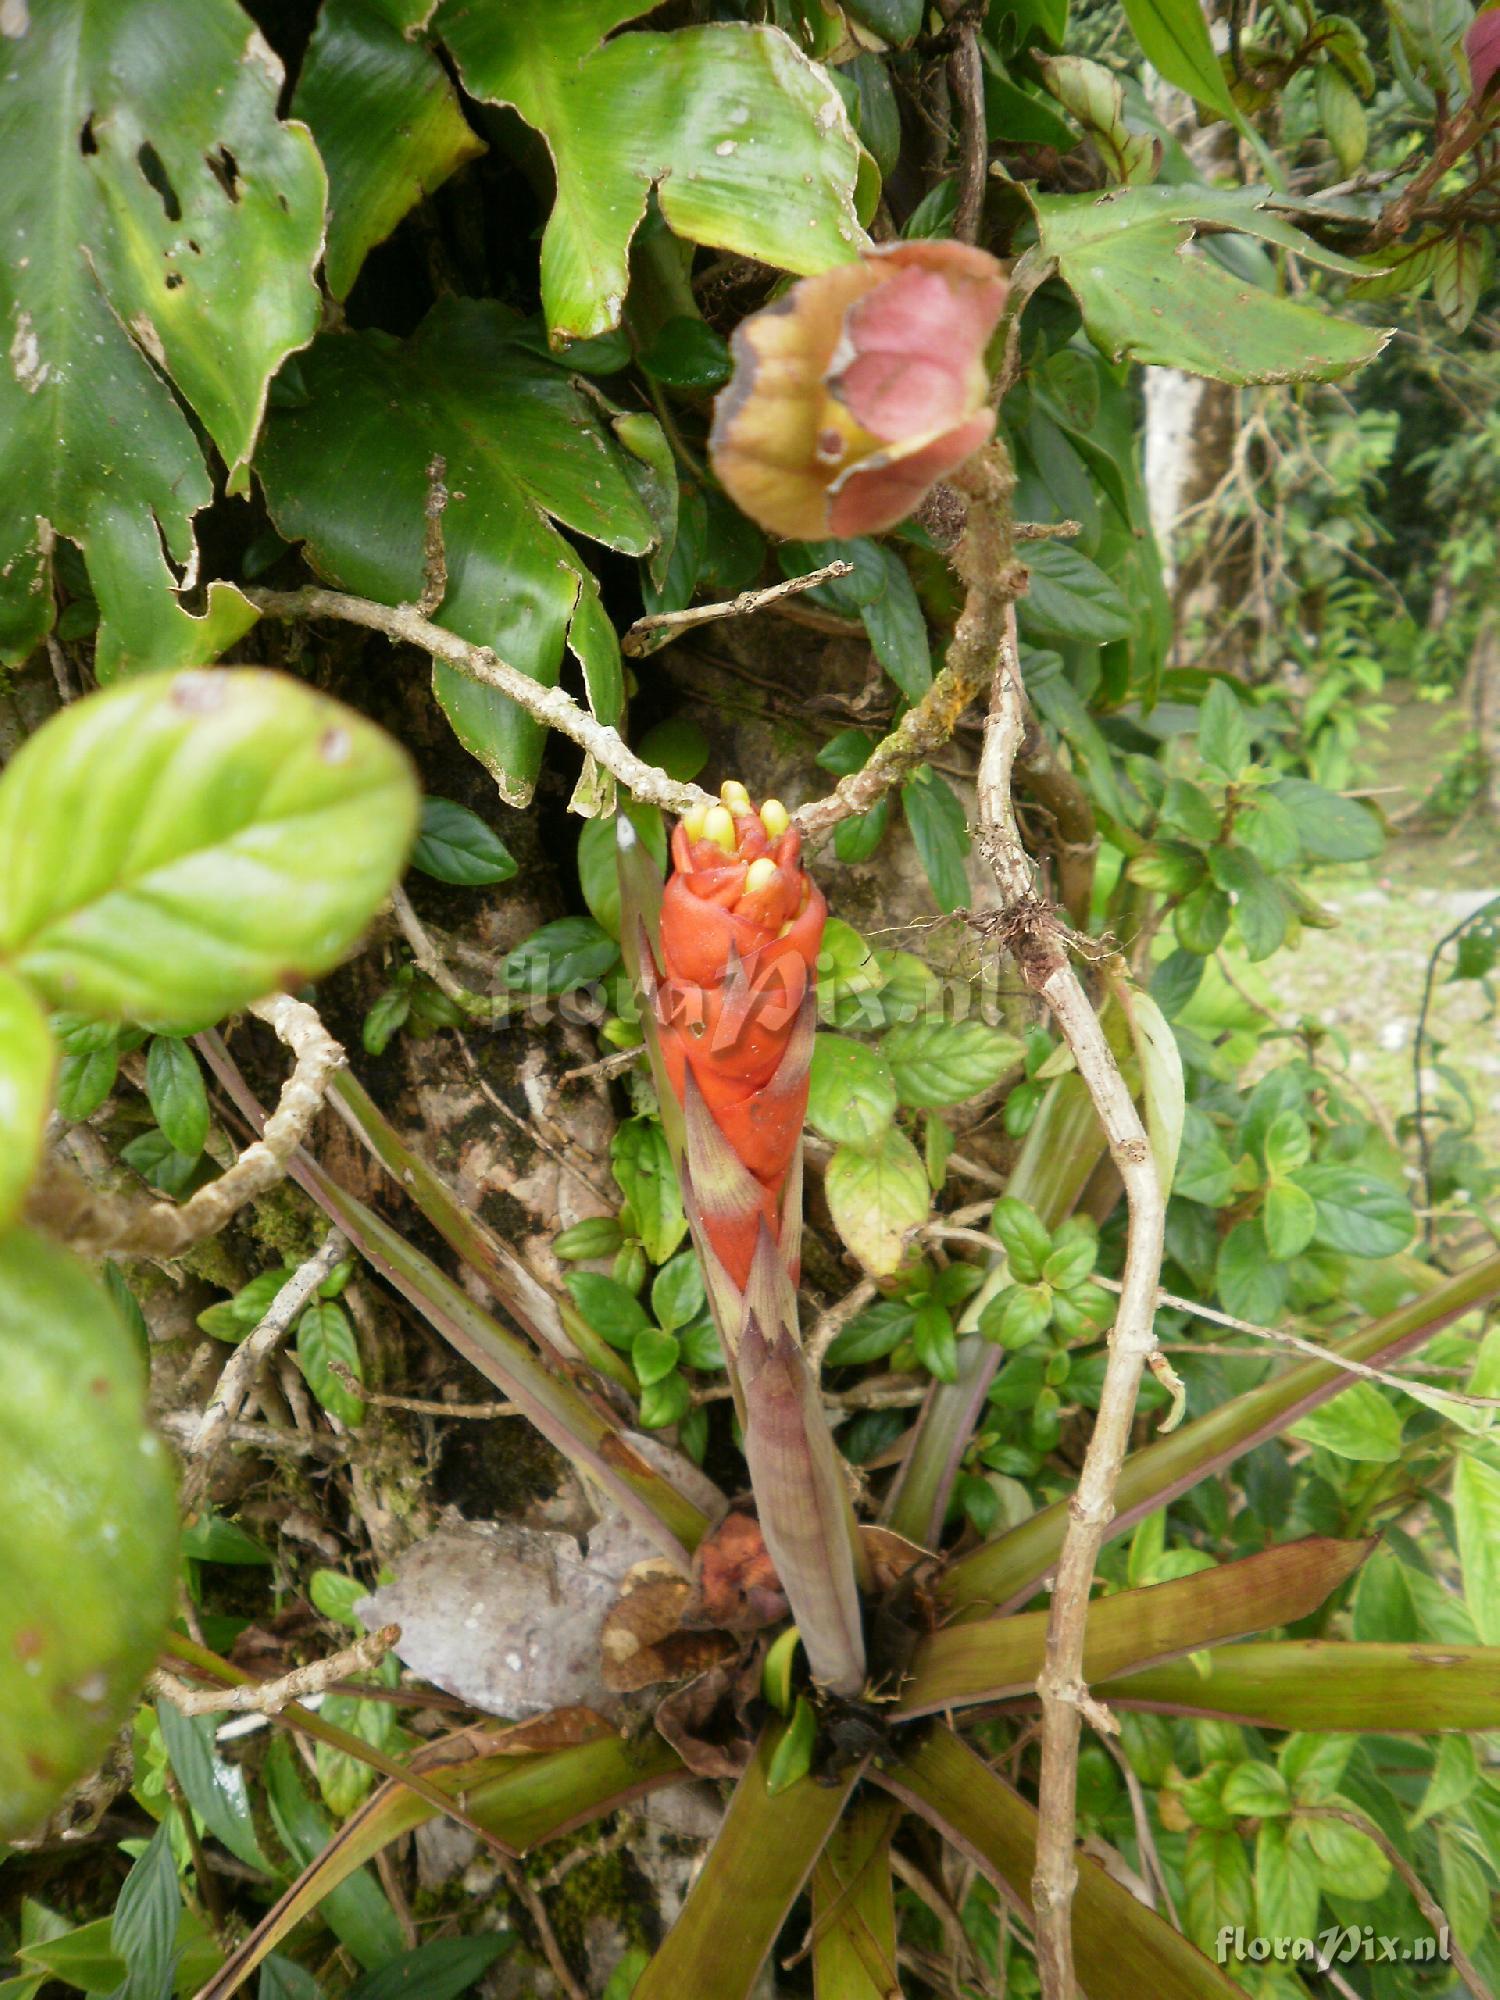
859, 389
741, 927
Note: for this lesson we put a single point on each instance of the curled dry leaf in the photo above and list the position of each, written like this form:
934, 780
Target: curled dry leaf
643, 1640
859, 389
737, 1588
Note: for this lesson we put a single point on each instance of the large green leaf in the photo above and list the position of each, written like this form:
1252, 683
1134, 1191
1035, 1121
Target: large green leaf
1122, 1949
27, 1061
386, 119
1149, 294
763, 1854
181, 845
747, 143
1476, 1515
88, 1564
522, 444
1320, 1684
156, 217
1003, 1656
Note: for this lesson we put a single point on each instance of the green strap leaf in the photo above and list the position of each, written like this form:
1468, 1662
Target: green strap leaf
161, 221
764, 1853
178, 846
1320, 1684
1122, 1948
1003, 1656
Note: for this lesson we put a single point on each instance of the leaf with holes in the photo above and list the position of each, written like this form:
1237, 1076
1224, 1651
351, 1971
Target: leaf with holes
159, 221
525, 447
183, 844
747, 143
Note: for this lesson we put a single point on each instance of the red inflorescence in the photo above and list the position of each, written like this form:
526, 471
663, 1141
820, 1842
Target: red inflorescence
741, 927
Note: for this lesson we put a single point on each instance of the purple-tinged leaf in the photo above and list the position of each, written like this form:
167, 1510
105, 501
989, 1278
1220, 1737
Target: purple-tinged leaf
1001, 1657
1122, 1949
564, 1415
755, 1869
801, 1493
854, 1910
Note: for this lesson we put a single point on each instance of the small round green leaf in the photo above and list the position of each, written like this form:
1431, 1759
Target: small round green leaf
653, 1355
324, 1336
90, 1502
677, 1294
944, 1062
179, 845
174, 1086
455, 845
851, 1092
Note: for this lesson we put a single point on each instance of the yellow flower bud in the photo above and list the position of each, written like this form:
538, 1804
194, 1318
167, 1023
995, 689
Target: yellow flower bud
734, 795
692, 823
775, 818
760, 874
718, 826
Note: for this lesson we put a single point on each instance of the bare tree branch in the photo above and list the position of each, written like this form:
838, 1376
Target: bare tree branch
647, 634
478, 663
97, 1224
1034, 937
245, 1362
270, 1697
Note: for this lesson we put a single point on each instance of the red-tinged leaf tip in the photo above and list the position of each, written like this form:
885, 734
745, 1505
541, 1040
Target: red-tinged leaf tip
1482, 47
857, 390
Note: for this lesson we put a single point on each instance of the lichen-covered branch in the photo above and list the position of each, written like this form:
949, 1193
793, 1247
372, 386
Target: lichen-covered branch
983, 559
245, 1362
100, 1224
1033, 936
551, 705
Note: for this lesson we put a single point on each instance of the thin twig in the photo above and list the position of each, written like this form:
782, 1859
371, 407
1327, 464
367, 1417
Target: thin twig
271, 1697
550, 705
1426, 1902
420, 1406
536, 1909
647, 634
1294, 1340
831, 1324
99, 1224
984, 550
479, 1006
1032, 934
239, 1372
434, 555
966, 81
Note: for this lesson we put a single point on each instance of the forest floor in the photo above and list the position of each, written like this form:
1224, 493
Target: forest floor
1365, 978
